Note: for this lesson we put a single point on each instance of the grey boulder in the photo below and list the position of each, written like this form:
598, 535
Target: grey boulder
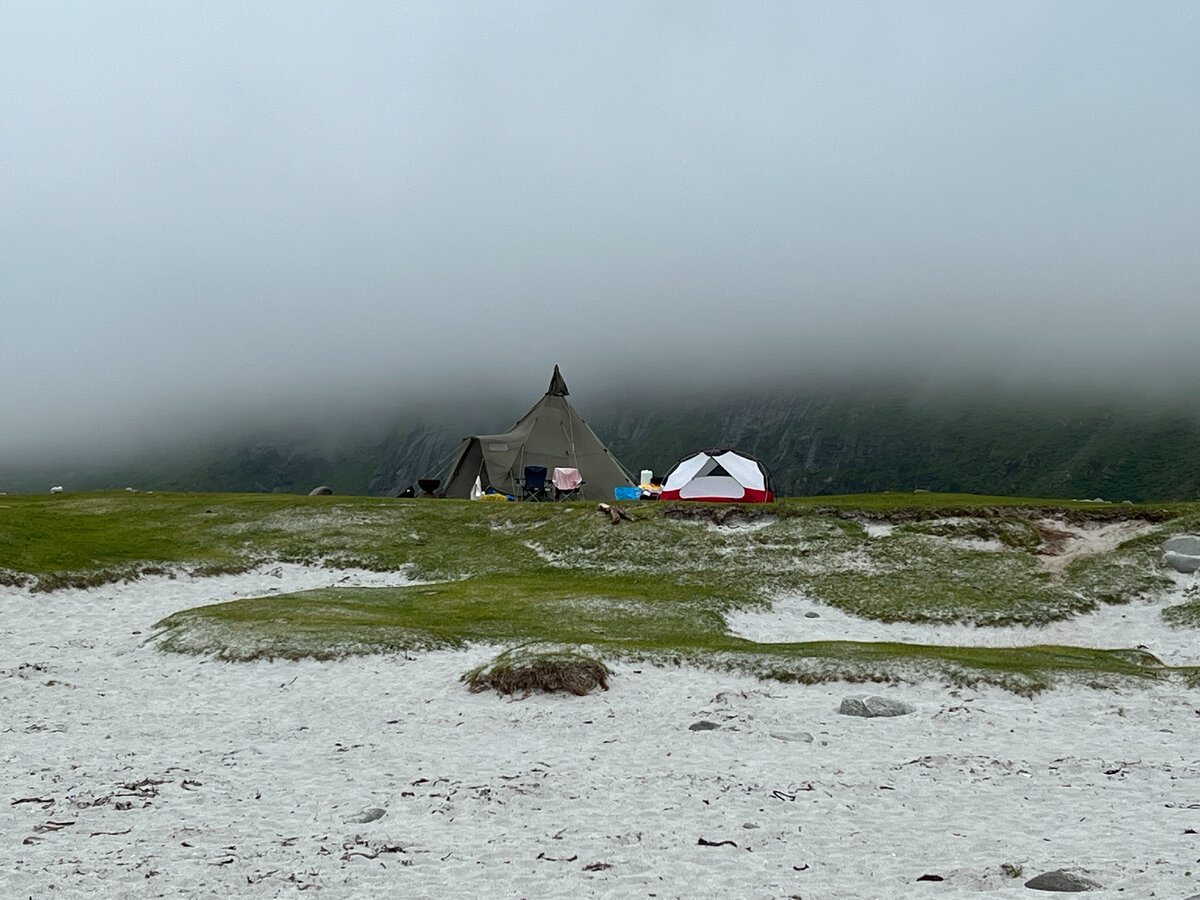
874, 707
1183, 562
1187, 544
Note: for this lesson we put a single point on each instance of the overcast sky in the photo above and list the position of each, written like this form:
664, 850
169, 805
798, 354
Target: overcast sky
234, 205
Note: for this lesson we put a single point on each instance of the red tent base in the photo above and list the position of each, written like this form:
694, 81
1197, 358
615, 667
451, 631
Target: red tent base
748, 497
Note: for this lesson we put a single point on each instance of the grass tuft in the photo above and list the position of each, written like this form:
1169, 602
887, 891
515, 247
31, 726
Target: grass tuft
9, 578
524, 670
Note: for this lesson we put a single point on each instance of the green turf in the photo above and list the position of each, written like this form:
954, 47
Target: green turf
656, 587
613, 617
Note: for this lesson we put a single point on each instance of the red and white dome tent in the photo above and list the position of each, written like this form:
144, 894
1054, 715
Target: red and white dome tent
722, 474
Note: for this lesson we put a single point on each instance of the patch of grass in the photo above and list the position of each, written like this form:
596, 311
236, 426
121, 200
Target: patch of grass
987, 592
232, 567
112, 534
1183, 615
523, 670
915, 575
1010, 531
1134, 570
557, 607
1023, 670
13, 579
945, 504
81, 533
54, 581
612, 617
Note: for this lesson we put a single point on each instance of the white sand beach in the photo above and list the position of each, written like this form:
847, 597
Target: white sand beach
131, 773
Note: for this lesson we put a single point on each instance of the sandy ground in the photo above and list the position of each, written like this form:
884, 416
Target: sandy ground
130, 773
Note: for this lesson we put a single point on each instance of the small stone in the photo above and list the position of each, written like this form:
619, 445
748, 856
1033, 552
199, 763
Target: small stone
874, 707
703, 725
749, 825
812, 615
1063, 881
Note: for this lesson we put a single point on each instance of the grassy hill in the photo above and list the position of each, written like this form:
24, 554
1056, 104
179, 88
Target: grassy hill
555, 577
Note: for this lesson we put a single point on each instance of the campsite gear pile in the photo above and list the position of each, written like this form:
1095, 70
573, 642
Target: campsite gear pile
552, 454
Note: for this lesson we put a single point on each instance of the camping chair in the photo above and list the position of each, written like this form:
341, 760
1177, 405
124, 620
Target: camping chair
534, 485
567, 484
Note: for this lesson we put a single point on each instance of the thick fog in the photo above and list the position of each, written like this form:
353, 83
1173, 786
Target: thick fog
217, 213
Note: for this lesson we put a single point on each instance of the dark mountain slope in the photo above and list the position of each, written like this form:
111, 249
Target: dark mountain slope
1052, 448
832, 444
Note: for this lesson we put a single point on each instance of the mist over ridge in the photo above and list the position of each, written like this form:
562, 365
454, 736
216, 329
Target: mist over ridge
330, 224
328, 418
852, 436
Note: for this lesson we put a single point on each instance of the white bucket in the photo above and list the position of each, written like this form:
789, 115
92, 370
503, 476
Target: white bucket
647, 474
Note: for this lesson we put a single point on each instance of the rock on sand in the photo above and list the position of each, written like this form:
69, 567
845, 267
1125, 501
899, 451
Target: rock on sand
874, 707
1064, 881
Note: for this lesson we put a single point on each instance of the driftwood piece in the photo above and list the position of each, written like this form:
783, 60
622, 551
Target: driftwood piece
615, 513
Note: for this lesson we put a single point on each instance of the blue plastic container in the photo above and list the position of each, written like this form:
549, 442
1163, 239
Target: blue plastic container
627, 493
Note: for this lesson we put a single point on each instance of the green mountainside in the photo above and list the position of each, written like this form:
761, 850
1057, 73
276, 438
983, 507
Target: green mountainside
813, 445
1047, 448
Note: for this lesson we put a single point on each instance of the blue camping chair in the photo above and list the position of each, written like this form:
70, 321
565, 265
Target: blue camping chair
534, 485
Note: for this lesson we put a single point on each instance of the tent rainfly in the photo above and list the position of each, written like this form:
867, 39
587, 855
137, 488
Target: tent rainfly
721, 474
552, 435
